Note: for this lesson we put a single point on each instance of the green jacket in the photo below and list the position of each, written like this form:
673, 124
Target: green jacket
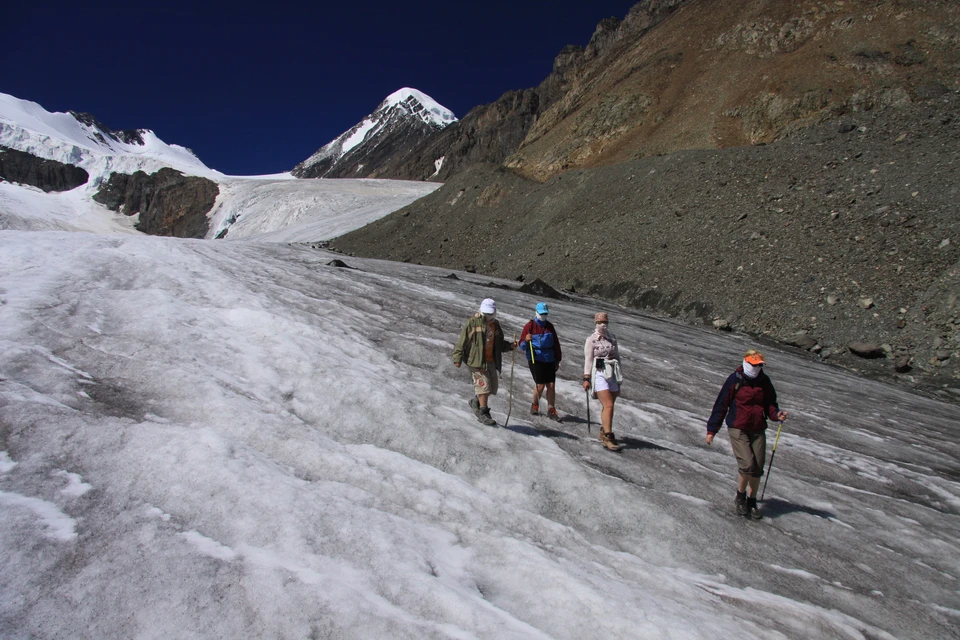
469, 347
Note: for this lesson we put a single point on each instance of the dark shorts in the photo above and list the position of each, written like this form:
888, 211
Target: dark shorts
544, 372
750, 448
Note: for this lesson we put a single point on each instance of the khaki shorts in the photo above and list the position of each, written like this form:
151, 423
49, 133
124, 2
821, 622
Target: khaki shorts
750, 449
485, 379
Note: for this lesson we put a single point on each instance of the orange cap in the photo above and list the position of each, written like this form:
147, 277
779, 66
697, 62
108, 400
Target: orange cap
601, 317
754, 357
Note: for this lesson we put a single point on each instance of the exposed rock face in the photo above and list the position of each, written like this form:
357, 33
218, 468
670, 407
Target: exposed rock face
169, 203
692, 74
49, 175
491, 133
391, 145
769, 239
381, 141
128, 136
488, 133
721, 75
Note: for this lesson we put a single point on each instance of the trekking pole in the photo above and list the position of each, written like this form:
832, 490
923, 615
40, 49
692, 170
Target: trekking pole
587, 393
770, 466
513, 359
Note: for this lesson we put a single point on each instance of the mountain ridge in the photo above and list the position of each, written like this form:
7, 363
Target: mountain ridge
681, 74
399, 122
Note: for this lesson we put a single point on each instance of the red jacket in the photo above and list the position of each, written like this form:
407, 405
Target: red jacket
746, 403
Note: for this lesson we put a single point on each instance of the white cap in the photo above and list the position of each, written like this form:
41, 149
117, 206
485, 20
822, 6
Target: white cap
488, 306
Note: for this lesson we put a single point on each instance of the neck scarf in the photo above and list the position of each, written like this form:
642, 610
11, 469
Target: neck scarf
749, 370
602, 330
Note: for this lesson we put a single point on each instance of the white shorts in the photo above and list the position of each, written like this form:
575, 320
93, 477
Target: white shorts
602, 384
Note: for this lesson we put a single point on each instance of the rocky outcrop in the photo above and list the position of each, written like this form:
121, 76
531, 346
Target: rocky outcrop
169, 203
49, 175
841, 233
102, 131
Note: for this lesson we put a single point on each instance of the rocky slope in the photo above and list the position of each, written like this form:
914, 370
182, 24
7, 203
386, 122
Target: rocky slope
718, 75
847, 231
693, 74
784, 169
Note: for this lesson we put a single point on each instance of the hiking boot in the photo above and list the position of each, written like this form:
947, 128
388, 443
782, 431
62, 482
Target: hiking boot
484, 417
608, 440
475, 405
552, 414
740, 502
534, 409
753, 511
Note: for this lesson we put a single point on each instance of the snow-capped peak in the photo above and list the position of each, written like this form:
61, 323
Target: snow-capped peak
431, 111
404, 105
80, 139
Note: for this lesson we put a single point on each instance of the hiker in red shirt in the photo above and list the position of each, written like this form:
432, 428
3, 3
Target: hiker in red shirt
746, 400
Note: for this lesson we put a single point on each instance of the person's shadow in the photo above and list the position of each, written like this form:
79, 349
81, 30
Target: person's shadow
554, 433
626, 441
774, 507
536, 432
636, 443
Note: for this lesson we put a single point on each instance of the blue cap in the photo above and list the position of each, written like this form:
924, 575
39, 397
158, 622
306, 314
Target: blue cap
542, 308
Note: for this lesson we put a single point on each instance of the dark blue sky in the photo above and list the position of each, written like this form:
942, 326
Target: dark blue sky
255, 88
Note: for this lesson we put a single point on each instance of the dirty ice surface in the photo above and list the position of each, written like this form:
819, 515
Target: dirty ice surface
206, 439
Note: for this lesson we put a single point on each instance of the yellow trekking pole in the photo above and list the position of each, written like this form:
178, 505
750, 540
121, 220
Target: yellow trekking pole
770, 466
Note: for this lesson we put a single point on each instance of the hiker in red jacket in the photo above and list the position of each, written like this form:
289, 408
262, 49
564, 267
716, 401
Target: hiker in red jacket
746, 400
540, 345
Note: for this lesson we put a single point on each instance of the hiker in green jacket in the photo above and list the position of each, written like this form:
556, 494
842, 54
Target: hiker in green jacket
480, 346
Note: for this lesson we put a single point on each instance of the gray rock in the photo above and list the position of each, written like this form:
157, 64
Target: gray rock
902, 364
722, 325
865, 303
866, 350
801, 340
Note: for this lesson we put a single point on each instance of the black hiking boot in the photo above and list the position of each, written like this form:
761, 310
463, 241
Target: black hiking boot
484, 417
741, 503
753, 511
475, 405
